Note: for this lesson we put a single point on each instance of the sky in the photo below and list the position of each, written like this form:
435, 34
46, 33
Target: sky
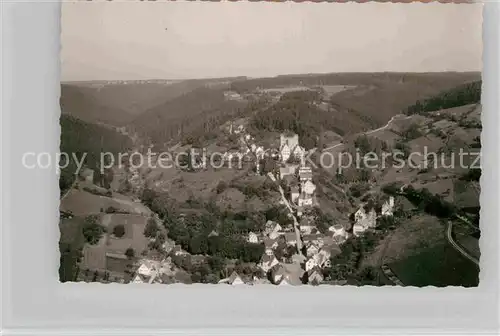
179, 40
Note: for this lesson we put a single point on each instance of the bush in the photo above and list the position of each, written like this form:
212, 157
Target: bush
151, 228
111, 209
221, 187
412, 132
119, 231
130, 253
92, 231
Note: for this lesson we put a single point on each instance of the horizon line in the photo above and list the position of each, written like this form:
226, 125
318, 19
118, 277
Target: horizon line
244, 77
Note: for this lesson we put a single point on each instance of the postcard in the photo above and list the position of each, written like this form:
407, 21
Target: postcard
278, 144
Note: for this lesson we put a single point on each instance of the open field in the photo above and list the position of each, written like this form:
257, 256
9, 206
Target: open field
109, 251
334, 89
82, 203
411, 237
287, 89
439, 266
133, 238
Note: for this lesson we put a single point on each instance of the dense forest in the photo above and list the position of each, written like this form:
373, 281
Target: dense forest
297, 112
192, 226
465, 94
181, 116
79, 137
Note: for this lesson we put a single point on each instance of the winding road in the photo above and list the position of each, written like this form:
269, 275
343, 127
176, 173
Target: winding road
296, 224
460, 249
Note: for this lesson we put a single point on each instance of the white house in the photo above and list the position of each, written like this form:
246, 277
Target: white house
235, 279
310, 264
291, 140
365, 219
337, 230
312, 249
146, 269
309, 187
252, 238
358, 229
315, 276
289, 145
285, 153
322, 258
272, 229
139, 279
305, 174
284, 282
304, 200
388, 207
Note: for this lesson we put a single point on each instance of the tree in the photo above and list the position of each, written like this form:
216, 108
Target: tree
111, 209
151, 228
130, 253
119, 231
221, 187
412, 132
92, 231
363, 143
367, 276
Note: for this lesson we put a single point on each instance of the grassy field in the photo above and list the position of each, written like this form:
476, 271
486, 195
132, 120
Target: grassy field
409, 238
438, 266
104, 256
82, 203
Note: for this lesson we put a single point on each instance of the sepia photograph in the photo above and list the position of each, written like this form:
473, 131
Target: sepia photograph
276, 144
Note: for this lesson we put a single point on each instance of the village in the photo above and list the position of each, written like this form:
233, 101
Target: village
296, 253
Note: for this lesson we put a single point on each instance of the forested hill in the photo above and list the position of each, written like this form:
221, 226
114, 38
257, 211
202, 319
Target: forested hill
84, 103
119, 102
297, 112
178, 117
79, 137
469, 93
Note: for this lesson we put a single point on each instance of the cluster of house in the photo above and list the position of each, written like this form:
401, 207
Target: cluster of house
298, 175
152, 271
366, 216
297, 268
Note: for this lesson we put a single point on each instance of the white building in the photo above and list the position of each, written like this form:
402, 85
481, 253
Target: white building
305, 200
337, 230
305, 174
310, 264
366, 219
315, 276
272, 229
388, 207
312, 249
252, 238
309, 187
289, 145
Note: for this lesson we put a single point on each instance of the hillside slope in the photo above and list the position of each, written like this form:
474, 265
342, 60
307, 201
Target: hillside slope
178, 117
79, 137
